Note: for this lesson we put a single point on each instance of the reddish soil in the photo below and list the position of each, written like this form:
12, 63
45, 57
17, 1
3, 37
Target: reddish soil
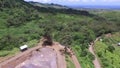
40, 57
2, 59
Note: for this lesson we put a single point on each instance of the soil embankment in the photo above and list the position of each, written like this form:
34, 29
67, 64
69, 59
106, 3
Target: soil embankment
41, 57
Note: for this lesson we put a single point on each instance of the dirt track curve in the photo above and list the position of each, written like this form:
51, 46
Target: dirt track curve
75, 61
74, 58
91, 49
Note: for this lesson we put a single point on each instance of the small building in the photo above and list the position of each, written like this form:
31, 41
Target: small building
23, 48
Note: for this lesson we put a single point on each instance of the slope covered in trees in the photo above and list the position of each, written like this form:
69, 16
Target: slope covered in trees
22, 23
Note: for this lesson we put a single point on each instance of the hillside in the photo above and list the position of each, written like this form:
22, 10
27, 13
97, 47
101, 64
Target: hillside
108, 50
22, 23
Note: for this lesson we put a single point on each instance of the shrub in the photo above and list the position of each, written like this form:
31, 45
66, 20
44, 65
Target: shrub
83, 53
111, 48
92, 57
99, 54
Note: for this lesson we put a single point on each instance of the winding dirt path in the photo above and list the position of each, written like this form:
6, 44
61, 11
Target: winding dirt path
91, 49
75, 61
61, 58
74, 58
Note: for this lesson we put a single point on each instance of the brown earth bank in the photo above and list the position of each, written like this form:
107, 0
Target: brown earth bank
40, 57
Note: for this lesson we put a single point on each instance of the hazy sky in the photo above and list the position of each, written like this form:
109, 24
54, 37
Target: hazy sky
81, 2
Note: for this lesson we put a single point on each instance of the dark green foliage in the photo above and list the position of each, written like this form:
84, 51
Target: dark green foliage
66, 11
111, 48
7, 42
66, 40
104, 62
91, 56
99, 54
83, 53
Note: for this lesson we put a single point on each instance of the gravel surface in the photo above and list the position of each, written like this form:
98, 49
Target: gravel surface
44, 58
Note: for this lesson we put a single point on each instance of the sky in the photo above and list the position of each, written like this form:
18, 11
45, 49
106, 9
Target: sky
81, 2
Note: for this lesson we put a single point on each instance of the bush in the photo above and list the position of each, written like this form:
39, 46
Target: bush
83, 53
4, 53
92, 57
99, 54
111, 48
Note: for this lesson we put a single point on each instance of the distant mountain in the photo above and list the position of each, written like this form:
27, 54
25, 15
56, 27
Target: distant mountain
56, 8
52, 5
96, 7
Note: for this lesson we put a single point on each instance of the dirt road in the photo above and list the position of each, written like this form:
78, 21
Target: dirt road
19, 58
41, 57
75, 61
91, 49
60, 57
73, 58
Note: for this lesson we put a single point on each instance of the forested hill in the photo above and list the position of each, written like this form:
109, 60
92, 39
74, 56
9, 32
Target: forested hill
16, 13
46, 5
55, 8
22, 23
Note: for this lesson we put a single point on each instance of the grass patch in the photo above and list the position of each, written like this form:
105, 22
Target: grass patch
9, 53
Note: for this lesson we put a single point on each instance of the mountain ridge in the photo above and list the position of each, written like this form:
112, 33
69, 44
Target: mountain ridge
52, 5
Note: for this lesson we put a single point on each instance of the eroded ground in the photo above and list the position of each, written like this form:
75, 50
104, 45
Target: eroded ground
43, 58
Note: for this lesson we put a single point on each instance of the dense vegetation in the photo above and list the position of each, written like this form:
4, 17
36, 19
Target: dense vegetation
22, 23
108, 51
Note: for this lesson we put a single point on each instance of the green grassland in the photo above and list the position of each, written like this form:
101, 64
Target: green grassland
108, 51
